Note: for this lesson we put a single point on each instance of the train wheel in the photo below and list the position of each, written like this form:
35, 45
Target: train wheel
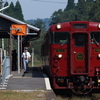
82, 91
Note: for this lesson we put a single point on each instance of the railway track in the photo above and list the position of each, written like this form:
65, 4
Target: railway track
69, 95
93, 97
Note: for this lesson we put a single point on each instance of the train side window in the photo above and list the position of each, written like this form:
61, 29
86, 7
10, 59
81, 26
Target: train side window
61, 37
95, 37
51, 38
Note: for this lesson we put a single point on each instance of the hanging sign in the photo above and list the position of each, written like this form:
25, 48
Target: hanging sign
18, 29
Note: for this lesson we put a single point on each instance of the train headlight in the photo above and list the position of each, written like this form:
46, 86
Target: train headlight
99, 26
98, 55
58, 26
60, 56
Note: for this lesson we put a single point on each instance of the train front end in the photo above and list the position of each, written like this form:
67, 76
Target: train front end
74, 56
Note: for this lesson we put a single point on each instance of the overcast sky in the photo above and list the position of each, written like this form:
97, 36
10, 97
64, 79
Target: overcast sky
33, 9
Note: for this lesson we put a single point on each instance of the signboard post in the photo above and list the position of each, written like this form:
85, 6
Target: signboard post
19, 30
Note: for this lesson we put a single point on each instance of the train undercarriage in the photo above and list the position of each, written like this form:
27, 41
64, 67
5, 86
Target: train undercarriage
78, 84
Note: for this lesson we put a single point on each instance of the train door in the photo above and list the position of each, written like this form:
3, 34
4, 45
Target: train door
95, 52
79, 53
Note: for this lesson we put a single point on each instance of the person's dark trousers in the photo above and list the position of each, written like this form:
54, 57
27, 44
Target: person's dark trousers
26, 67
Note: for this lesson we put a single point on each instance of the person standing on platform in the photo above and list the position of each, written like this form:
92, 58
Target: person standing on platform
14, 60
26, 56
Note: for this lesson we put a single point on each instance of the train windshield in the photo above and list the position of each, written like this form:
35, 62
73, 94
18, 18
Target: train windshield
79, 39
59, 38
95, 37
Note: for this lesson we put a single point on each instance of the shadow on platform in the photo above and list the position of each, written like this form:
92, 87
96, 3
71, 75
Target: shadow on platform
33, 80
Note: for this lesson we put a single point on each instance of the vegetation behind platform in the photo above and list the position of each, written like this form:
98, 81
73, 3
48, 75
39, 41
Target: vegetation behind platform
87, 10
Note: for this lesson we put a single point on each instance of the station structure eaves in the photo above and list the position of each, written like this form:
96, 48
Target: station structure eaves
6, 22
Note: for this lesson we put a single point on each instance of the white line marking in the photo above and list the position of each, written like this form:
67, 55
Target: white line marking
32, 90
47, 83
2, 88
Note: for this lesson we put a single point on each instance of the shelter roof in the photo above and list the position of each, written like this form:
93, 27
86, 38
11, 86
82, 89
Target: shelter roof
6, 22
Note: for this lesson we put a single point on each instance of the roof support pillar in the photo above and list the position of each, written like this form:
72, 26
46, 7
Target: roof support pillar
10, 48
21, 63
18, 53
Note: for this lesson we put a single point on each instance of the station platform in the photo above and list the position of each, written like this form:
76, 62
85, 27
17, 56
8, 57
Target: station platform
33, 80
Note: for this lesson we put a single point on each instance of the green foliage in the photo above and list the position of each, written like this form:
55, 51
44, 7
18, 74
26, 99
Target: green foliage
85, 9
37, 43
39, 23
89, 0
14, 11
56, 17
18, 10
70, 5
0, 5
10, 10
6, 43
69, 15
82, 10
95, 12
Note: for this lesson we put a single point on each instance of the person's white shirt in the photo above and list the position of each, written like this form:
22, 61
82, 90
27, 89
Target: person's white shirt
26, 53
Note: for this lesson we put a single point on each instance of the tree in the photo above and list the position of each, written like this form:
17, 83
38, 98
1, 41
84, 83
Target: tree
95, 12
39, 23
0, 4
71, 5
69, 15
6, 10
83, 10
14, 11
9, 11
90, 0
18, 12
37, 43
56, 17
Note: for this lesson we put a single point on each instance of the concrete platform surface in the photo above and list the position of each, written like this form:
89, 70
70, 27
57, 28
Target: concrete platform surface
33, 80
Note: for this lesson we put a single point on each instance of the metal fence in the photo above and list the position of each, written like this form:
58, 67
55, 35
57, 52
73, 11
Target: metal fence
5, 69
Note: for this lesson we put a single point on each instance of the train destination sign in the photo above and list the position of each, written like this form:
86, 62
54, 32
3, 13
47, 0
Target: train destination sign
97, 50
60, 50
79, 26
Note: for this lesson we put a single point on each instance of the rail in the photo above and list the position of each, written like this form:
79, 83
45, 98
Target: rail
5, 69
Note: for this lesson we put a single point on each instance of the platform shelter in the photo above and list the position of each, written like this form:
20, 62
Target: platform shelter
5, 32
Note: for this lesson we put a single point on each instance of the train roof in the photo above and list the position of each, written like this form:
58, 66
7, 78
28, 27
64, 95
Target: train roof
67, 25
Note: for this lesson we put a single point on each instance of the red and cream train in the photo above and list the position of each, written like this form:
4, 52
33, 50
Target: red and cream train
71, 56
